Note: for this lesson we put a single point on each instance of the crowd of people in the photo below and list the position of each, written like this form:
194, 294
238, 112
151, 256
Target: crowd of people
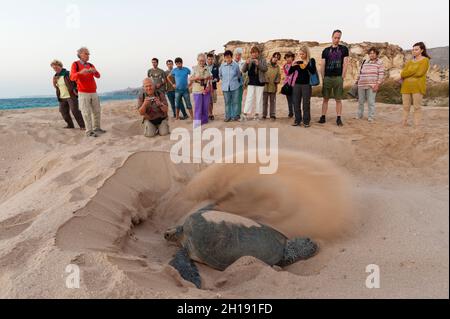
77, 90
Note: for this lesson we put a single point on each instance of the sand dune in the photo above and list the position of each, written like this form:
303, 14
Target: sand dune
104, 204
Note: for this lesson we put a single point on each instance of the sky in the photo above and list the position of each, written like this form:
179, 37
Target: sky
123, 36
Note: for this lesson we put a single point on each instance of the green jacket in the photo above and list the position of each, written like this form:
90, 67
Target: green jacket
273, 78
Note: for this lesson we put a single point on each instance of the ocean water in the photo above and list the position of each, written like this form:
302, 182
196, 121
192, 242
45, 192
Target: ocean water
29, 103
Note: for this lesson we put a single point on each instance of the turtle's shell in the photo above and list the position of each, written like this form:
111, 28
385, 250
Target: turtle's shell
218, 239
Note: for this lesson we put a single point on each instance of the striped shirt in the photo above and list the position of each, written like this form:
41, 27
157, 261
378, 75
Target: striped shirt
372, 73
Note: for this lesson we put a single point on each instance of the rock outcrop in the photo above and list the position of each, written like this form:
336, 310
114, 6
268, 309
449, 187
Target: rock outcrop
393, 56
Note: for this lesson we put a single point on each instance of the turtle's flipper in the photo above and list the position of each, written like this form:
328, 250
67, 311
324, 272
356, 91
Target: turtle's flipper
186, 267
298, 249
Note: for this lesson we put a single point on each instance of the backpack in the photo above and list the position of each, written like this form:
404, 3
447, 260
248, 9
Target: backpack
77, 63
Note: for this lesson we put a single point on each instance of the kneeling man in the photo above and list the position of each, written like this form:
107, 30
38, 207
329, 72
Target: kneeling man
153, 107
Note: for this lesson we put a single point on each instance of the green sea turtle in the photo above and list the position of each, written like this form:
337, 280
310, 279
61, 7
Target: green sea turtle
218, 239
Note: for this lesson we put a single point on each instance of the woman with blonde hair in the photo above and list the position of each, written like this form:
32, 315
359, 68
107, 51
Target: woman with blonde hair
302, 91
414, 83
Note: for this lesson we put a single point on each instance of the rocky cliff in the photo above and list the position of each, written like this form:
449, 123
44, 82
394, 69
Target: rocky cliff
393, 56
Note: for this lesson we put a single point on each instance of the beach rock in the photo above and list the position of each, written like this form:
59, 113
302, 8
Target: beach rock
393, 56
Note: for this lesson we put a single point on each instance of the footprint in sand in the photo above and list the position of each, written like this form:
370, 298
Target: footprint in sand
72, 175
81, 155
14, 226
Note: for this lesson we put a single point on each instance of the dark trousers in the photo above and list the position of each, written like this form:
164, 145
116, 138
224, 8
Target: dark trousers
71, 105
302, 99
290, 101
272, 97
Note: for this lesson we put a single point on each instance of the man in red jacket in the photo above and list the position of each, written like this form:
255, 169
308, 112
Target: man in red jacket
84, 73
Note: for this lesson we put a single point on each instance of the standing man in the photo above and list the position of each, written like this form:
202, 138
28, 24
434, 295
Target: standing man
67, 95
170, 91
84, 74
181, 84
333, 70
214, 70
157, 75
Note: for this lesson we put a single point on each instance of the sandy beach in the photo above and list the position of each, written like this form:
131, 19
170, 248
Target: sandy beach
103, 204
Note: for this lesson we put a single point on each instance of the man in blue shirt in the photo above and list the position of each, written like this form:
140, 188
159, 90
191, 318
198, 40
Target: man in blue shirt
230, 75
181, 75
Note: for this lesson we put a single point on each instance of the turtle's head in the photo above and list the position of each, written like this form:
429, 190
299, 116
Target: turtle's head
174, 234
298, 249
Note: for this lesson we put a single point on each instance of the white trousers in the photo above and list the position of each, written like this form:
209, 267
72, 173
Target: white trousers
254, 94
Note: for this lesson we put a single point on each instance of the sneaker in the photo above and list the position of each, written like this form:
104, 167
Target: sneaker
339, 122
227, 120
99, 130
296, 124
91, 134
237, 118
357, 117
322, 120
243, 118
307, 125
371, 120
273, 118
256, 118
185, 117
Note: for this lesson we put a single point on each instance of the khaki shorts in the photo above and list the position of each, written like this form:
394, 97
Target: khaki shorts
333, 87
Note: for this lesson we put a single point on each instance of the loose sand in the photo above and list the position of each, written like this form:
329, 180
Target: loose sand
369, 193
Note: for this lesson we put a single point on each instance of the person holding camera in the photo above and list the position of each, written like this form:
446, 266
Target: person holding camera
201, 80
302, 91
273, 77
84, 74
256, 67
289, 80
153, 107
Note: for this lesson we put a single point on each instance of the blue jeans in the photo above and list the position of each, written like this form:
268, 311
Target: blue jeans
370, 96
232, 108
171, 98
183, 94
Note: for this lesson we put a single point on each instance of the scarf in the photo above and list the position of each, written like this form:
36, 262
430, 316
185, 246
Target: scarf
63, 72
290, 79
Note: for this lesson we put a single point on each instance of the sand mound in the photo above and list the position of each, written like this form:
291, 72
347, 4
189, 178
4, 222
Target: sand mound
146, 187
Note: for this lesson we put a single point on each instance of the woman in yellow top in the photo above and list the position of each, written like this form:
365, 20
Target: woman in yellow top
414, 82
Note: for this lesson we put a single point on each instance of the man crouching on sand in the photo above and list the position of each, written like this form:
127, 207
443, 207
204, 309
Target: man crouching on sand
152, 105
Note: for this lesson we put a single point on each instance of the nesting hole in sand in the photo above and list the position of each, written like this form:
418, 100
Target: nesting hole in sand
128, 215
148, 187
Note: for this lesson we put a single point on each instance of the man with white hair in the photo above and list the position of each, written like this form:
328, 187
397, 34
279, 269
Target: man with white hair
84, 73
153, 107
